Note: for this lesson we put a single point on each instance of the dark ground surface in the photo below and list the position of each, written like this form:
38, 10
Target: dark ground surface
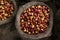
9, 32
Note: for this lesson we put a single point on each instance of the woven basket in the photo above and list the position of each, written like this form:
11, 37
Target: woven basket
47, 33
